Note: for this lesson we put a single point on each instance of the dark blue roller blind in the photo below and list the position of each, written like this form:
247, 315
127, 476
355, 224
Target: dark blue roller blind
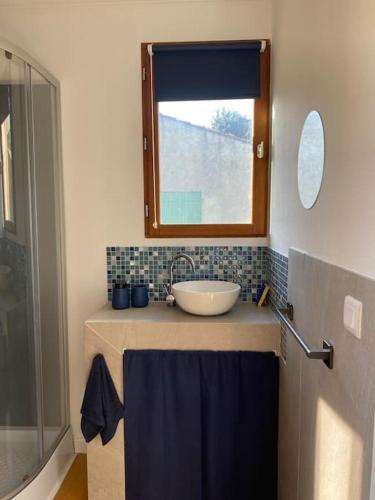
206, 71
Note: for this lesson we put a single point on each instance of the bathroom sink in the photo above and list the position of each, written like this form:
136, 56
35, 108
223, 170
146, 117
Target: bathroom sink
206, 298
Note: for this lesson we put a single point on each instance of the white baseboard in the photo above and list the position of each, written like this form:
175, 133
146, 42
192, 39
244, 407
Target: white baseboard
80, 445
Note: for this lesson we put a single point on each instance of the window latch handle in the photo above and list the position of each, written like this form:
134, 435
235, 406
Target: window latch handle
260, 150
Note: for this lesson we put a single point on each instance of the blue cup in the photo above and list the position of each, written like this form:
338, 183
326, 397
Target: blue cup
139, 296
120, 296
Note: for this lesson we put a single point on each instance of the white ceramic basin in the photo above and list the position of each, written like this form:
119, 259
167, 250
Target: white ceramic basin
206, 298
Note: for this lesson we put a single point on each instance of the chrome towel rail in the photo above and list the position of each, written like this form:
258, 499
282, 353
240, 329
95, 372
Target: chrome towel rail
325, 354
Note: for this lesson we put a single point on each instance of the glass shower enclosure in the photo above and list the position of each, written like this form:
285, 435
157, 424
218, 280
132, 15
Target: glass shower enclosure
33, 375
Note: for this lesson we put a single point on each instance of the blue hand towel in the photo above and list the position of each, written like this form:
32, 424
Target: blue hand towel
101, 408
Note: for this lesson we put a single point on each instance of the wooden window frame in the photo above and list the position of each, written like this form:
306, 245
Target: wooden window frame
259, 225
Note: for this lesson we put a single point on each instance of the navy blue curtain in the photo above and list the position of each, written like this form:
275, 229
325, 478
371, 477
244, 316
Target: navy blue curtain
206, 71
200, 425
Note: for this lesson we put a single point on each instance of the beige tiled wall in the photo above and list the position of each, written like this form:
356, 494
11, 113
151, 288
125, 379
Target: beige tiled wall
326, 416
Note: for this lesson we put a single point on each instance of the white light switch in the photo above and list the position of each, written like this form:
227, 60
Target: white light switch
353, 316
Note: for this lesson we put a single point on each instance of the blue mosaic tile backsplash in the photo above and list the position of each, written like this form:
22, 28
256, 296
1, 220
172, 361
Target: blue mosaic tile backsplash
14, 255
277, 277
150, 265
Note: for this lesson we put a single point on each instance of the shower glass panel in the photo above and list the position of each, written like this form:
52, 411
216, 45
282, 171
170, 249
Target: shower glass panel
19, 430
43, 96
45, 151
33, 388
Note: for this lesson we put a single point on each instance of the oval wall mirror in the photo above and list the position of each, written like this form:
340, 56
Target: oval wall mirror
311, 159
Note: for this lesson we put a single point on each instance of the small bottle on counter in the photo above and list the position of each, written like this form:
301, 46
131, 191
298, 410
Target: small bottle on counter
120, 296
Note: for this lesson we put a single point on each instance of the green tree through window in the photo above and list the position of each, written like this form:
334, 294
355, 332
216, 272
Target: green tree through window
231, 122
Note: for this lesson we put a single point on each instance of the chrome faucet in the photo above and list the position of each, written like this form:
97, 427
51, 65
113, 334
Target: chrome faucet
171, 301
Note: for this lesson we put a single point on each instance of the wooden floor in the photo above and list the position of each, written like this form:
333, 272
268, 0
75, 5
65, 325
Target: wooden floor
74, 486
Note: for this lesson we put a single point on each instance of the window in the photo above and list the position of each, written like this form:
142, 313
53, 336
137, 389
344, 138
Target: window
6, 160
205, 122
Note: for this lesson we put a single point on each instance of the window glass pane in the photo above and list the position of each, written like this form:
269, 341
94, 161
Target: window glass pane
6, 148
205, 161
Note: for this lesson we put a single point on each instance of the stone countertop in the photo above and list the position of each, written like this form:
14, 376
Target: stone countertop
245, 328
158, 312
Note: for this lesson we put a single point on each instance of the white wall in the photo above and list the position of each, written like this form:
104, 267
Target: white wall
93, 48
324, 59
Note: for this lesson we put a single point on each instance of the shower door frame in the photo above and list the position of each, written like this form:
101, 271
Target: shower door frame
29, 65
